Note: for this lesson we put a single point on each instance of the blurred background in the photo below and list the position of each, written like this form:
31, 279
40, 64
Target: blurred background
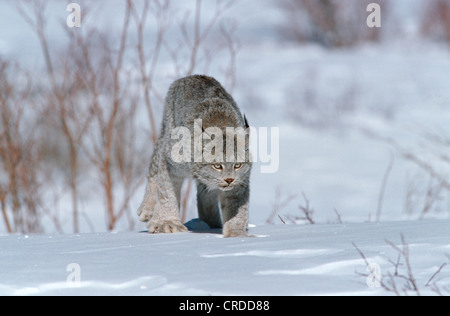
363, 112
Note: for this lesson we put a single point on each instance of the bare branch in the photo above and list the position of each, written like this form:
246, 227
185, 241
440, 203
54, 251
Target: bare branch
307, 210
279, 203
404, 252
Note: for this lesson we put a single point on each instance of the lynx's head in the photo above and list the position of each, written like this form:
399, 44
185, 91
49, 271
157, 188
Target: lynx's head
226, 156
216, 144
223, 176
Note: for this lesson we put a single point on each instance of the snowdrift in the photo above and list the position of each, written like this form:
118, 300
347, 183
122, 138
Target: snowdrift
278, 260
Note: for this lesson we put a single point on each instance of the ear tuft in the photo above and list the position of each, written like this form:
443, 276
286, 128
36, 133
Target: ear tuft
246, 122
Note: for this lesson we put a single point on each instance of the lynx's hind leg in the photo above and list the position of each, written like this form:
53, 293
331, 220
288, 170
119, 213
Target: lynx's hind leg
208, 206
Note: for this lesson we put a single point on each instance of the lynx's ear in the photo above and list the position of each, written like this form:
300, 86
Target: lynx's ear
246, 122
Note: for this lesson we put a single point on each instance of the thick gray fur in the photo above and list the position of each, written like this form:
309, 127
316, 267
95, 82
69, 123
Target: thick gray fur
191, 98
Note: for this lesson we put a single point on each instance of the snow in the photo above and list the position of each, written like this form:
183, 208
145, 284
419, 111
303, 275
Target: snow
279, 260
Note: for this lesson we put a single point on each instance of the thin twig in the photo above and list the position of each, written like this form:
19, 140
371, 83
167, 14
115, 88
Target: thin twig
369, 266
338, 215
383, 188
436, 273
281, 219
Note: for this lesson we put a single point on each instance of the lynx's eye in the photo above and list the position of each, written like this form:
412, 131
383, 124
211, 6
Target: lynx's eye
217, 166
237, 166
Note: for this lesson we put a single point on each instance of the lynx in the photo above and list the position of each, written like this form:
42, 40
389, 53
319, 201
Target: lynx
223, 182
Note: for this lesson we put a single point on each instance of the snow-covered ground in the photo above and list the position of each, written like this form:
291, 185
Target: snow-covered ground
279, 260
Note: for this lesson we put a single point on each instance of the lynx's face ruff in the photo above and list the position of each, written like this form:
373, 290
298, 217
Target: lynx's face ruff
223, 176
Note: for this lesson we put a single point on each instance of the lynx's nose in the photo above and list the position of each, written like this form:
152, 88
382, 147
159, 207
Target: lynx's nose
229, 181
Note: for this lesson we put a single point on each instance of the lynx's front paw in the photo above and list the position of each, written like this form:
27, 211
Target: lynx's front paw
167, 227
144, 213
